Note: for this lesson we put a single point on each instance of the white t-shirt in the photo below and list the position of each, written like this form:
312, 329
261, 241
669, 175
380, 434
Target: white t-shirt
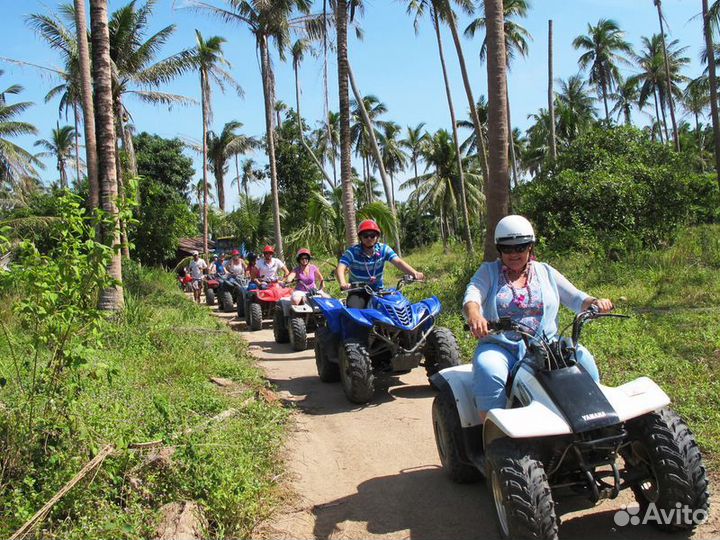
196, 268
237, 270
269, 271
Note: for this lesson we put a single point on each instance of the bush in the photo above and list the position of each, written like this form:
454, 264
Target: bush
616, 190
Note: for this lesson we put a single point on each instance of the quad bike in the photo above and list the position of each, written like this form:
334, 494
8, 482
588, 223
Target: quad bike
229, 291
210, 287
185, 282
260, 303
291, 323
390, 336
561, 436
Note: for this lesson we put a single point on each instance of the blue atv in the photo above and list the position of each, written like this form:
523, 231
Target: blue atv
230, 289
390, 336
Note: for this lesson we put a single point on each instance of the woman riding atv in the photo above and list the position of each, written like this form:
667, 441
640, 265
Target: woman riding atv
308, 276
366, 262
252, 272
529, 292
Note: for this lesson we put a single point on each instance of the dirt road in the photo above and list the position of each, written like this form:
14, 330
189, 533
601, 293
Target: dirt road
373, 471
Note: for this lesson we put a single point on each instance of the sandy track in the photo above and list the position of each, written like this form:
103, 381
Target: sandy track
373, 471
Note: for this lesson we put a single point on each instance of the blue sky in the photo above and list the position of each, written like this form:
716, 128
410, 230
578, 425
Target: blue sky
392, 62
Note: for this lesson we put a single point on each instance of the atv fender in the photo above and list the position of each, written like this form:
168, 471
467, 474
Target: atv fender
301, 309
433, 305
286, 305
365, 318
330, 308
459, 378
635, 398
534, 420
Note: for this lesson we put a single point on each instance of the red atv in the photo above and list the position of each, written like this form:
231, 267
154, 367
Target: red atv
260, 303
210, 286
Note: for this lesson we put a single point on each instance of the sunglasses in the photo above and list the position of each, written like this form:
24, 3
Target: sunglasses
520, 248
304, 258
369, 235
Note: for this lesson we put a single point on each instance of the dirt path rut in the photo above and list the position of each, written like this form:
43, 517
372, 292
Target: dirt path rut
373, 471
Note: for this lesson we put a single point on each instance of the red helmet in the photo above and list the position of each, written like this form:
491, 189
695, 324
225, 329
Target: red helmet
269, 249
235, 253
368, 225
302, 251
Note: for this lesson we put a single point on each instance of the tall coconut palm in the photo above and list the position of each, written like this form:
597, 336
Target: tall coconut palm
209, 59
671, 105
414, 141
112, 297
575, 111
267, 20
626, 96
604, 45
60, 146
440, 10
220, 148
516, 44
696, 101
359, 132
15, 161
498, 192
250, 175
394, 157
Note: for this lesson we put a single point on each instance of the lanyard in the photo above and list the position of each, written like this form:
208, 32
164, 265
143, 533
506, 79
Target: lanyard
373, 278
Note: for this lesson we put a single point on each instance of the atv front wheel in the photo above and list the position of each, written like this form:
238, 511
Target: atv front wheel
663, 445
298, 334
328, 371
255, 316
449, 439
356, 373
240, 305
280, 331
210, 296
524, 507
226, 301
441, 351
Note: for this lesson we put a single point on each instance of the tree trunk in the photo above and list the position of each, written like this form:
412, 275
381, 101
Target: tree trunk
348, 194
668, 80
205, 114
76, 114
460, 183
551, 93
237, 179
63, 173
511, 140
443, 231
603, 84
301, 134
120, 135
111, 299
707, 29
91, 157
657, 115
664, 117
498, 196
386, 181
269, 96
220, 186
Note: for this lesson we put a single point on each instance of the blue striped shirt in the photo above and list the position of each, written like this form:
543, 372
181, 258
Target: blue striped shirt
363, 268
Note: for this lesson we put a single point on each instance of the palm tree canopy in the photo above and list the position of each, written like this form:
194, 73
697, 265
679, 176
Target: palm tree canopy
516, 36
603, 45
15, 161
651, 61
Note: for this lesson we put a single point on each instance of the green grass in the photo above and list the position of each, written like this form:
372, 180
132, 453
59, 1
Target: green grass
673, 335
153, 383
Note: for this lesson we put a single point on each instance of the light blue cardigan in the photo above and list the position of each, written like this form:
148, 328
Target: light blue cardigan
555, 289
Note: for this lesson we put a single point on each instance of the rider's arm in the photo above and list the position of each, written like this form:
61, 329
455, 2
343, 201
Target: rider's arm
340, 273
475, 294
290, 277
405, 267
319, 278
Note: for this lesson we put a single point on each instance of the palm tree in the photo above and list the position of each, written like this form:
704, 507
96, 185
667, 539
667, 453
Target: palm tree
626, 96
414, 141
15, 161
498, 192
710, 58
391, 149
603, 45
112, 297
359, 132
652, 77
250, 175
440, 9
696, 100
658, 4
208, 56
575, 111
220, 148
60, 146
267, 20
516, 43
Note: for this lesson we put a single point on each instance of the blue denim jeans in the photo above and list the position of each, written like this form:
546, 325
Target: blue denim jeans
491, 365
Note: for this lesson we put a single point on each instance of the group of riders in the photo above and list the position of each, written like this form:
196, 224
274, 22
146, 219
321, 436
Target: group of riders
365, 262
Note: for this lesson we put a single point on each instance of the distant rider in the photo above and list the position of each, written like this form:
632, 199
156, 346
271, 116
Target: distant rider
366, 262
197, 268
236, 267
269, 267
252, 272
309, 278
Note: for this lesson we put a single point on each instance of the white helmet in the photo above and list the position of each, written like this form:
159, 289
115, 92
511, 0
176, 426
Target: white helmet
514, 230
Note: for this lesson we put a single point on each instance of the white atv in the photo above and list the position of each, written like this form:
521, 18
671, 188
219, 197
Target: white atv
564, 437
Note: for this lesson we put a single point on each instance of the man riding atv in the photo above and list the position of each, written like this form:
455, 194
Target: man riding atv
366, 262
269, 267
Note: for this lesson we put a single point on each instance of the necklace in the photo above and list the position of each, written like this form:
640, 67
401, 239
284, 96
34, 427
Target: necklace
373, 278
520, 300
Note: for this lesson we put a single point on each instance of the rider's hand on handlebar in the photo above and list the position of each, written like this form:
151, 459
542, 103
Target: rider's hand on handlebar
478, 326
604, 305
419, 276
345, 286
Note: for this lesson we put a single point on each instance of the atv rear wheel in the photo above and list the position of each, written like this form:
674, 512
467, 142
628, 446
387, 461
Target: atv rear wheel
328, 371
662, 443
210, 296
280, 331
254, 316
356, 373
441, 351
298, 334
449, 439
524, 507
226, 301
